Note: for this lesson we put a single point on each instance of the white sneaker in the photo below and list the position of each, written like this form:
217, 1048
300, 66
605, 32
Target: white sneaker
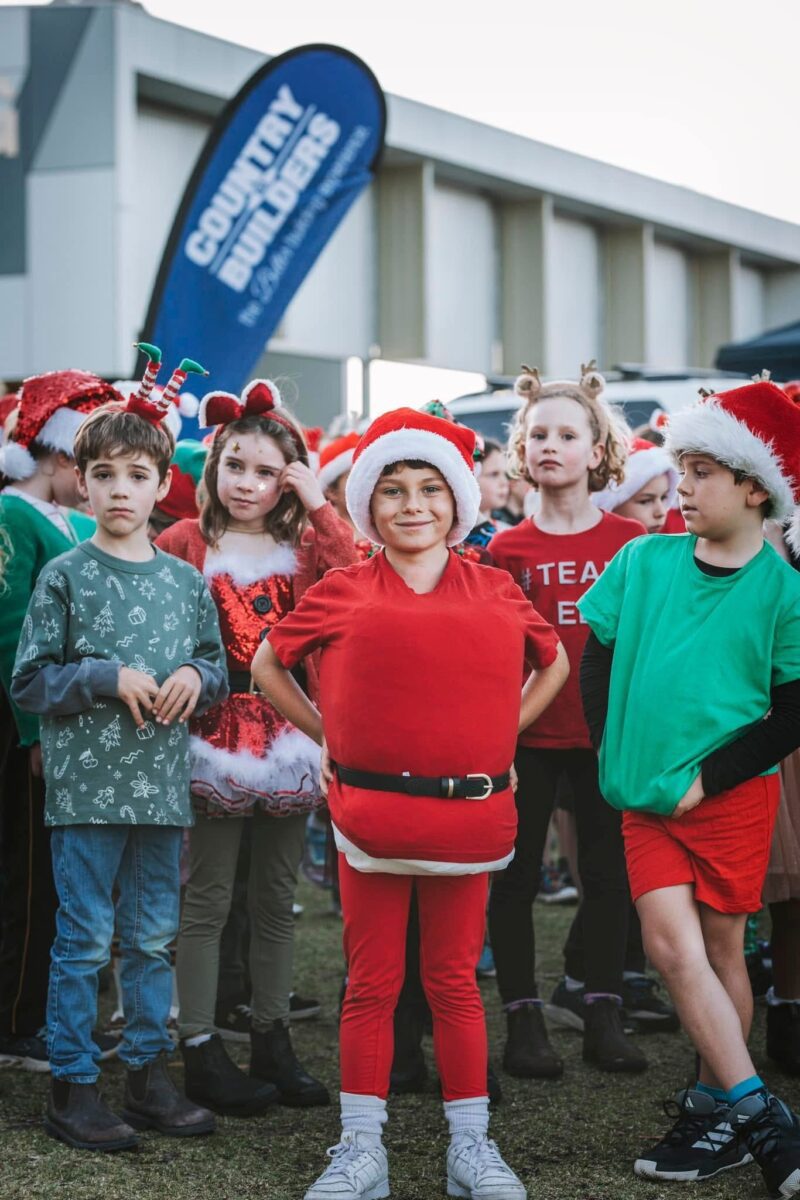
476, 1171
357, 1172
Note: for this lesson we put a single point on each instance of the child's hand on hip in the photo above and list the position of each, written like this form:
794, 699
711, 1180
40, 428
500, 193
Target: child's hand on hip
692, 798
298, 478
178, 696
138, 691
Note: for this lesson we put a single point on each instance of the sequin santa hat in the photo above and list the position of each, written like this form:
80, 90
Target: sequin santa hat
336, 458
405, 435
52, 408
645, 461
754, 429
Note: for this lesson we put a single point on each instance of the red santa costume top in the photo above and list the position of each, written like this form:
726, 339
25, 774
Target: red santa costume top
244, 753
427, 685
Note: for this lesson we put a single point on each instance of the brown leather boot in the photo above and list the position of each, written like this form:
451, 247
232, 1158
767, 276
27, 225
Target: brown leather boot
78, 1115
152, 1101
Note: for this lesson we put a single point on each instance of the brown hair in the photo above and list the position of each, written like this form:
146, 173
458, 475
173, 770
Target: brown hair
608, 427
288, 518
110, 431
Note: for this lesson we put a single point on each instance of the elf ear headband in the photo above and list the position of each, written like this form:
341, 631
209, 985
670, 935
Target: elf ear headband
156, 409
261, 398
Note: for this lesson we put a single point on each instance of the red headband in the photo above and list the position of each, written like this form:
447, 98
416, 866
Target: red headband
260, 398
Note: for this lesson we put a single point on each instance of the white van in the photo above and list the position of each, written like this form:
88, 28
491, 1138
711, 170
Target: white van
636, 391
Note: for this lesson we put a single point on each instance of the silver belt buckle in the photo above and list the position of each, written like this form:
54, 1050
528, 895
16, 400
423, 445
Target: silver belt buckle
487, 783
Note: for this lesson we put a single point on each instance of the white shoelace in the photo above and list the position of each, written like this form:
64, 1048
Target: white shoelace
343, 1158
485, 1158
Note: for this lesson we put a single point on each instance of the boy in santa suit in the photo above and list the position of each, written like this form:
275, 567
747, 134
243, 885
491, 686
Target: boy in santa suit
421, 738
704, 629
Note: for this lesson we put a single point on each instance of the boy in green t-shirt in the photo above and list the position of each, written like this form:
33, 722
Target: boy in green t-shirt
119, 647
691, 687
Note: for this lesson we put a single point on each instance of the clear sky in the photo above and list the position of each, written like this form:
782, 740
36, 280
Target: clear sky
703, 93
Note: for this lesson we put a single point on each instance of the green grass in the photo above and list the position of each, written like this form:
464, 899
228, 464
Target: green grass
571, 1140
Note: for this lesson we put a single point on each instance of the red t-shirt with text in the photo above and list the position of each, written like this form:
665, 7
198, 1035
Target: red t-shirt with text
554, 570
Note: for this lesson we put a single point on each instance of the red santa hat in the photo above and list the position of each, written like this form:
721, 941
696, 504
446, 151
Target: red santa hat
754, 429
336, 458
645, 461
405, 435
52, 408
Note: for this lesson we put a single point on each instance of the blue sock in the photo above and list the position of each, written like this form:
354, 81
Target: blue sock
716, 1093
746, 1088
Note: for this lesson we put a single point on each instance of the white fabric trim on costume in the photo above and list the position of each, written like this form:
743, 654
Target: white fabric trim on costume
708, 429
285, 767
336, 467
361, 861
16, 462
53, 513
59, 430
401, 445
244, 570
641, 467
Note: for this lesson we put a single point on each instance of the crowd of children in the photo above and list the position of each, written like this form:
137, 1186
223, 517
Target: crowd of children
205, 643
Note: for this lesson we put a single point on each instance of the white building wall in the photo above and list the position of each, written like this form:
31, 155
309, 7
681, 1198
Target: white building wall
669, 299
461, 280
782, 298
574, 297
749, 303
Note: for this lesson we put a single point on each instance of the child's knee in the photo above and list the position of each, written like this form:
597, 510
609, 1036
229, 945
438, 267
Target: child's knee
669, 954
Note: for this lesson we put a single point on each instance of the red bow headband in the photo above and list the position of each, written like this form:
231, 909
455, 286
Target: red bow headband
143, 402
261, 398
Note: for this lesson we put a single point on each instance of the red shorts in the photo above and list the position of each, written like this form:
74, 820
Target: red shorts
722, 846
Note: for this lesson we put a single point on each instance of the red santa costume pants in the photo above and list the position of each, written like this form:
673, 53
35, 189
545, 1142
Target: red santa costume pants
452, 915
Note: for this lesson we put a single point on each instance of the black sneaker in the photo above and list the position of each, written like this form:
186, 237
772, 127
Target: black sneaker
566, 1009
771, 1132
645, 1008
235, 1024
700, 1144
301, 1009
25, 1053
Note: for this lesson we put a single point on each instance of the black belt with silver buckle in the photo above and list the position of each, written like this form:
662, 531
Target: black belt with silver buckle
475, 786
240, 682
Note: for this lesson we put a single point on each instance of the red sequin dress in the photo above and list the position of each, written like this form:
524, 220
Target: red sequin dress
244, 753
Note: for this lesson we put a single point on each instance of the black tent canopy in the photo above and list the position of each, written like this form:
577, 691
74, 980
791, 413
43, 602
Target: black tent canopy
778, 350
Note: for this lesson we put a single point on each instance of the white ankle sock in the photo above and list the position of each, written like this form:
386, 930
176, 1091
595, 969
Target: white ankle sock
198, 1039
573, 985
629, 975
467, 1116
775, 1000
364, 1115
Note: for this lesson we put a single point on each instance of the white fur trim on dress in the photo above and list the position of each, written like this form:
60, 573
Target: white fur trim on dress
360, 861
16, 462
708, 429
246, 570
59, 430
640, 468
288, 771
334, 469
402, 445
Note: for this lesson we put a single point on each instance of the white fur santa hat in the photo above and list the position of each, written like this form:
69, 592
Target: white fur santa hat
408, 436
52, 408
337, 458
645, 461
754, 429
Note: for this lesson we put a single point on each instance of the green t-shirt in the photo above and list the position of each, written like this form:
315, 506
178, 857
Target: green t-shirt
695, 659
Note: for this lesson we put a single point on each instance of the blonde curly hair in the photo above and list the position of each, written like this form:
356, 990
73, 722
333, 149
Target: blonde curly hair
607, 425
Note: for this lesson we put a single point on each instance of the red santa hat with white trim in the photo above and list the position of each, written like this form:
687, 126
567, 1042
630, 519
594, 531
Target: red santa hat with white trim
644, 462
52, 408
408, 436
754, 429
336, 458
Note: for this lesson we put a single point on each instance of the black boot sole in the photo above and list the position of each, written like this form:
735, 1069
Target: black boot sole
616, 1066
304, 1099
552, 1070
141, 1122
251, 1109
61, 1135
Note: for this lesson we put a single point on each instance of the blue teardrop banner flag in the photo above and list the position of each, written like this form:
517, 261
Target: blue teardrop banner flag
283, 163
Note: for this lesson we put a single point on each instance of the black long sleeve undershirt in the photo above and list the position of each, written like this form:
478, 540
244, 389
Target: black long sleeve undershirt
756, 750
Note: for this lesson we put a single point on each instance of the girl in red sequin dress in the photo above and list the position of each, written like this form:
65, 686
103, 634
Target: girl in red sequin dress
265, 535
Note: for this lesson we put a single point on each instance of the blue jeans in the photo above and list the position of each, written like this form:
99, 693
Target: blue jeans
143, 860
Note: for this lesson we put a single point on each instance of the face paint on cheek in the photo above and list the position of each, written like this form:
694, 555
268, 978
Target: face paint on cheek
261, 487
